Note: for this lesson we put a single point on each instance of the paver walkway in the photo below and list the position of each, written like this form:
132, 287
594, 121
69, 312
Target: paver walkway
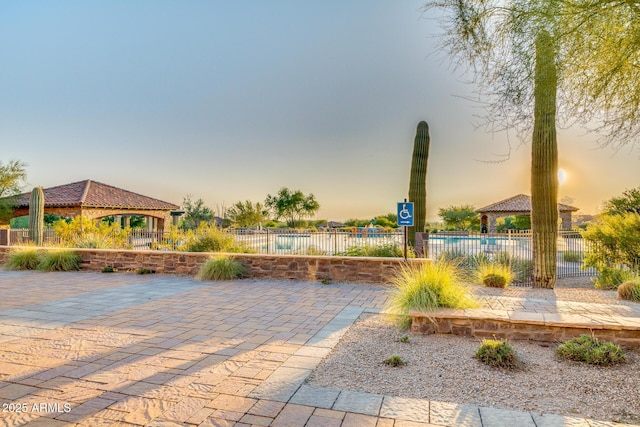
83, 349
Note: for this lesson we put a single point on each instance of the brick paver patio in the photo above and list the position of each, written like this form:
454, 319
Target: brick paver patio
84, 349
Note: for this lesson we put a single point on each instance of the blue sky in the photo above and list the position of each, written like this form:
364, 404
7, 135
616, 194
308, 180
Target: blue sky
231, 100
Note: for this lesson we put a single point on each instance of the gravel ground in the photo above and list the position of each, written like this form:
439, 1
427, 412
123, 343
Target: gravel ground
442, 368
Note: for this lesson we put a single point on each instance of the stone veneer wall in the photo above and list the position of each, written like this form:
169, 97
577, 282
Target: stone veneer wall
279, 267
485, 326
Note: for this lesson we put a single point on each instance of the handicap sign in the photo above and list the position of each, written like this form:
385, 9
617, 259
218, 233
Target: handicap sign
405, 214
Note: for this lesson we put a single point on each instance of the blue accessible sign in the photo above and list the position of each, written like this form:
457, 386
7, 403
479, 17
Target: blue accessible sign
405, 214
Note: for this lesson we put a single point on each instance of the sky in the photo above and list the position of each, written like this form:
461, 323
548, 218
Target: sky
232, 100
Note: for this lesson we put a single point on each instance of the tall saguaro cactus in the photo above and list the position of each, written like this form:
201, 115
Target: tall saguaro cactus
418, 181
544, 166
36, 215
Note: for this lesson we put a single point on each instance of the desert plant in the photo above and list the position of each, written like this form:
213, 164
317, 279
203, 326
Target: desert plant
82, 232
497, 353
612, 277
614, 242
404, 339
61, 260
589, 349
207, 238
394, 361
572, 256
494, 275
315, 251
418, 181
23, 259
427, 287
109, 269
221, 268
36, 215
630, 290
389, 250
521, 268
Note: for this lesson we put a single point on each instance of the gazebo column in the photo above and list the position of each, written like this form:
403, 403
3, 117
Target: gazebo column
117, 219
491, 217
149, 220
127, 221
566, 221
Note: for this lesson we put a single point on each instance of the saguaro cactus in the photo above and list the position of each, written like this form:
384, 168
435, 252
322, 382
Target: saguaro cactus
36, 215
418, 181
544, 166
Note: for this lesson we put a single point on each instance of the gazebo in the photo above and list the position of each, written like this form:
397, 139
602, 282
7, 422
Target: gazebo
95, 200
519, 205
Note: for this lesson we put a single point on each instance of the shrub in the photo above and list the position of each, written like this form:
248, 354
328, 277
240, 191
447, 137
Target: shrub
390, 250
82, 232
145, 271
221, 268
521, 268
109, 269
210, 238
497, 353
207, 238
630, 290
494, 275
394, 361
588, 349
427, 287
572, 256
612, 278
614, 242
313, 250
60, 261
23, 259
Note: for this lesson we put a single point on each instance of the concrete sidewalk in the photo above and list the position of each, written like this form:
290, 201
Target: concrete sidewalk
82, 349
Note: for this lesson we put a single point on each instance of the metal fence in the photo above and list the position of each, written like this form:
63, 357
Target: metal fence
513, 247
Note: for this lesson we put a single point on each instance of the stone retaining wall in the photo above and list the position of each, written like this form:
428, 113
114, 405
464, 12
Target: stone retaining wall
486, 326
279, 267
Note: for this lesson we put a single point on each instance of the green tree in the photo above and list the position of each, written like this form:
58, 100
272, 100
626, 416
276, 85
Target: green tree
628, 202
522, 54
195, 212
462, 217
517, 222
12, 181
247, 214
615, 242
291, 206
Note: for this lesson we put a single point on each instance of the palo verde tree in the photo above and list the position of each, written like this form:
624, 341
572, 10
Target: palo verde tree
538, 61
195, 213
291, 206
12, 179
247, 214
462, 217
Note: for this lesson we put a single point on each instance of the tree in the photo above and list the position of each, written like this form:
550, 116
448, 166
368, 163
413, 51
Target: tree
291, 205
615, 242
247, 214
460, 217
12, 180
522, 54
628, 202
195, 213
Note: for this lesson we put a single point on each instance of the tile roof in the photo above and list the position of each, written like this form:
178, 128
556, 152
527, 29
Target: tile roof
92, 194
519, 203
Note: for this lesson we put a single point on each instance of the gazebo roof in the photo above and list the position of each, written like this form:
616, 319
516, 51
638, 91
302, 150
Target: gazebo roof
519, 203
92, 194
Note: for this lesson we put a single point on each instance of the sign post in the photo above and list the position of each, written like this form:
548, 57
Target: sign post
405, 219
